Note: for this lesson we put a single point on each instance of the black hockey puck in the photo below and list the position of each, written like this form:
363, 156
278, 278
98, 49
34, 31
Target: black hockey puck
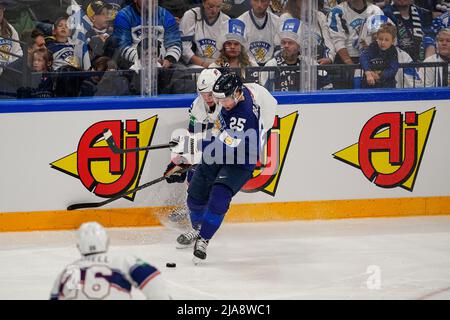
171, 264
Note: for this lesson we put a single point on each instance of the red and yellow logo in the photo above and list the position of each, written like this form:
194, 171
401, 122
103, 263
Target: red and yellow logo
266, 178
99, 169
390, 148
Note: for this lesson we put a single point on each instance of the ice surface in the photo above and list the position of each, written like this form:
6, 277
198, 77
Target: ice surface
276, 260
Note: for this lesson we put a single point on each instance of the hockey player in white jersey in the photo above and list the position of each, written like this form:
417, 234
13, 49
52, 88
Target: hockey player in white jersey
200, 28
100, 276
405, 77
260, 31
202, 116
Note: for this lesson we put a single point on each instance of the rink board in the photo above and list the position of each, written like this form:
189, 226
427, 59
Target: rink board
337, 155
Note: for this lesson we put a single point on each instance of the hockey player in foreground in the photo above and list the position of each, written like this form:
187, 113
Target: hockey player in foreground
100, 276
228, 156
202, 116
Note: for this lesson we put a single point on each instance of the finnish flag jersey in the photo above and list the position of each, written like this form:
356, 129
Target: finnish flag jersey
195, 29
261, 37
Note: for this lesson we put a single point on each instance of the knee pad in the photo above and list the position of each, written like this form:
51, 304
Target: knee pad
196, 205
220, 198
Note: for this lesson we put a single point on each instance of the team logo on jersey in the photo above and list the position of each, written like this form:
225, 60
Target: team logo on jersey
260, 50
4, 48
390, 148
99, 169
208, 47
266, 177
357, 23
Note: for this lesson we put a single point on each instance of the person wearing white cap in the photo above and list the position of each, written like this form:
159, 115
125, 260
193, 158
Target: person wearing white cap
326, 52
98, 275
290, 35
261, 29
233, 53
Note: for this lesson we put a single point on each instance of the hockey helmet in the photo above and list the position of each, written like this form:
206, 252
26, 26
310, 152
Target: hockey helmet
226, 85
92, 238
206, 80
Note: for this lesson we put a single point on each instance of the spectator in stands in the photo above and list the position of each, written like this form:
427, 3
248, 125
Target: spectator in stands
414, 27
380, 61
96, 37
108, 84
345, 21
291, 34
63, 51
42, 60
10, 49
233, 53
200, 28
433, 76
326, 52
128, 33
235, 8
277, 6
34, 39
442, 20
179, 7
261, 28
407, 77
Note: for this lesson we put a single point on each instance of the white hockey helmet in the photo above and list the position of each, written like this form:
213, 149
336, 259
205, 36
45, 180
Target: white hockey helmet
92, 238
206, 80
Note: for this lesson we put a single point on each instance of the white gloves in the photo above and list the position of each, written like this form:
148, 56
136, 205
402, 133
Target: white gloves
188, 147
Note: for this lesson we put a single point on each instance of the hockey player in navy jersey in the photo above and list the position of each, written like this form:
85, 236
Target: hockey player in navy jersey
128, 33
229, 156
99, 275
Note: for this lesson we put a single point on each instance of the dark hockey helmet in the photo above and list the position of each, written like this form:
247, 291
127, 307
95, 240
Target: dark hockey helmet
226, 85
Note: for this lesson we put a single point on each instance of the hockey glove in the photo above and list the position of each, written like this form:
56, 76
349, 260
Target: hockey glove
187, 146
172, 173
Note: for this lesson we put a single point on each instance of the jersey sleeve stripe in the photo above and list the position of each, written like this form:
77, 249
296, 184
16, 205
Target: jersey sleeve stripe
149, 278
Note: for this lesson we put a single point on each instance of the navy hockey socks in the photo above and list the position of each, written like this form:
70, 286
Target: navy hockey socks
218, 205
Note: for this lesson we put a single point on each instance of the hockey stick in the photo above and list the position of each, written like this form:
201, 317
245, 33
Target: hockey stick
107, 134
85, 205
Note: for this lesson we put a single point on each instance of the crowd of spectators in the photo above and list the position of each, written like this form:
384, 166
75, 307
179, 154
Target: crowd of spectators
95, 47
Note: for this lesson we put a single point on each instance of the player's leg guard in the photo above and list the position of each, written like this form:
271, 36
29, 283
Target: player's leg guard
218, 205
197, 210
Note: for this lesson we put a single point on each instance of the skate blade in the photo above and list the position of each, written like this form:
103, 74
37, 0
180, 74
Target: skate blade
198, 261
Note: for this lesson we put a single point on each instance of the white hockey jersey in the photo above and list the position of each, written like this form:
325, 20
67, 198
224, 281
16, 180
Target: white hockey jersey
433, 76
345, 26
261, 40
200, 118
267, 107
8, 46
195, 29
104, 277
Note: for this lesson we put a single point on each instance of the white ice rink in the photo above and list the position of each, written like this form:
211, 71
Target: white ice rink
282, 260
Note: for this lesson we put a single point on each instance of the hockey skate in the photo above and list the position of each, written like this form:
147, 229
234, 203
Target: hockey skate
187, 239
200, 250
